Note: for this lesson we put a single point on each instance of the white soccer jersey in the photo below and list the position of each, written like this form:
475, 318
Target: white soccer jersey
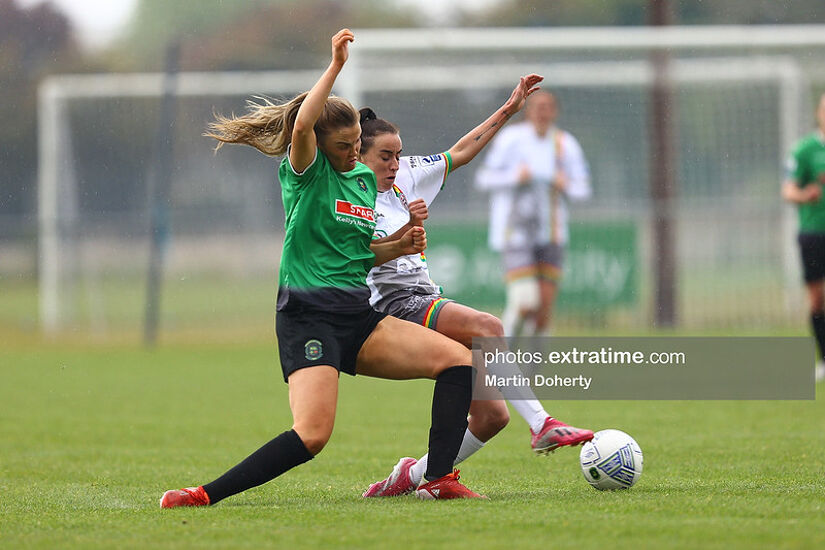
531, 214
417, 178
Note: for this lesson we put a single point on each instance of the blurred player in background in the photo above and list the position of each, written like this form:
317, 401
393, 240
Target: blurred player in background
803, 187
403, 288
531, 171
325, 323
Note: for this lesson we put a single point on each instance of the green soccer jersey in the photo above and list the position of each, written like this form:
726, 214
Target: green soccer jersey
329, 224
807, 166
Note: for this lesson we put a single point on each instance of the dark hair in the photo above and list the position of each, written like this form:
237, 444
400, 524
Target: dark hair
372, 126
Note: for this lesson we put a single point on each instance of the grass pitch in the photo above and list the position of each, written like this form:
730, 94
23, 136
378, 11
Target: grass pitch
90, 439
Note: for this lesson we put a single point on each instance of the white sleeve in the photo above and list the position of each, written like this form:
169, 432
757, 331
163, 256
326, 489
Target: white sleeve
499, 169
575, 166
428, 176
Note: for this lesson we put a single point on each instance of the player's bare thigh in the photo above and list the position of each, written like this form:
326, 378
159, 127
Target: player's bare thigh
401, 350
462, 323
313, 398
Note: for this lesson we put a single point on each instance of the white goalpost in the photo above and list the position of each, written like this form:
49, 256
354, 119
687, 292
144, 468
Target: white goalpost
411, 71
55, 173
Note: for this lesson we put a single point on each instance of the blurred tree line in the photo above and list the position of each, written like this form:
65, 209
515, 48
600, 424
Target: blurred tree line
33, 43
251, 34
269, 34
550, 13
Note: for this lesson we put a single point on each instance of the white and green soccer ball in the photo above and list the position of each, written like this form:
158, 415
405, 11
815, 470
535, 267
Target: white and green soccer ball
611, 460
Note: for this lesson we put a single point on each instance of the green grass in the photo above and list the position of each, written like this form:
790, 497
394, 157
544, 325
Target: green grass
91, 437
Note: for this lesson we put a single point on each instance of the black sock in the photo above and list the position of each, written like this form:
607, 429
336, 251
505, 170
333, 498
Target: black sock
451, 401
276, 457
818, 324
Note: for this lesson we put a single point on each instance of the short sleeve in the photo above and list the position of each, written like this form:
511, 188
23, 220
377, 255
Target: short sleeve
298, 180
797, 167
428, 175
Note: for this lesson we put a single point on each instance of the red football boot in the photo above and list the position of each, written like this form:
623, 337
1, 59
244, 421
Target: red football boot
444, 488
191, 496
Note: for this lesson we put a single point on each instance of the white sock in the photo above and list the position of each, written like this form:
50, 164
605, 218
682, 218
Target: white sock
521, 398
525, 403
418, 470
469, 445
532, 412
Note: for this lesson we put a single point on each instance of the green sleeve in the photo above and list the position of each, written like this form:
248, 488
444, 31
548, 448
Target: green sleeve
298, 181
799, 165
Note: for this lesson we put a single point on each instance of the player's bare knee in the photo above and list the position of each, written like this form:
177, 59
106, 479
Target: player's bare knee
314, 437
315, 443
453, 355
459, 355
490, 418
498, 418
489, 326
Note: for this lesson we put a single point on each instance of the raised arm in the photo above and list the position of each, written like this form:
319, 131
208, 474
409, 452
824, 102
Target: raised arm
304, 141
474, 141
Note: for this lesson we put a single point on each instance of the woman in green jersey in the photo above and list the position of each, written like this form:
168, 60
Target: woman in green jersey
325, 324
803, 187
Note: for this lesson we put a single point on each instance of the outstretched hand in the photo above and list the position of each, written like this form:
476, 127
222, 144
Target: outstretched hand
418, 212
526, 86
340, 42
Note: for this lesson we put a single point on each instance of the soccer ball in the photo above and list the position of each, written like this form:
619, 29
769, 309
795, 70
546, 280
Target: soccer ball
611, 460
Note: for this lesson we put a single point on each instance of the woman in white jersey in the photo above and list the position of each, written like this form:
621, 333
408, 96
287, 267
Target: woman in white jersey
402, 287
532, 170
325, 324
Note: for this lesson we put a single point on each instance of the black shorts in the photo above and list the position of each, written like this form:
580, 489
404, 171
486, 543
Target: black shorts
325, 327
812, 251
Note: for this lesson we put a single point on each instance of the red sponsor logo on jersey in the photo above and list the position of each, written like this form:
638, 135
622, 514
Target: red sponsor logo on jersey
348, 209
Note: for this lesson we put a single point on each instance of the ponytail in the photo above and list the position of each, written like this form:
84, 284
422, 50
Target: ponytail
268, 126
372, 127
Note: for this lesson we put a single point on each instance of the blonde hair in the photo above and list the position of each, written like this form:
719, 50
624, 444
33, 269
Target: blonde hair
267, 126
